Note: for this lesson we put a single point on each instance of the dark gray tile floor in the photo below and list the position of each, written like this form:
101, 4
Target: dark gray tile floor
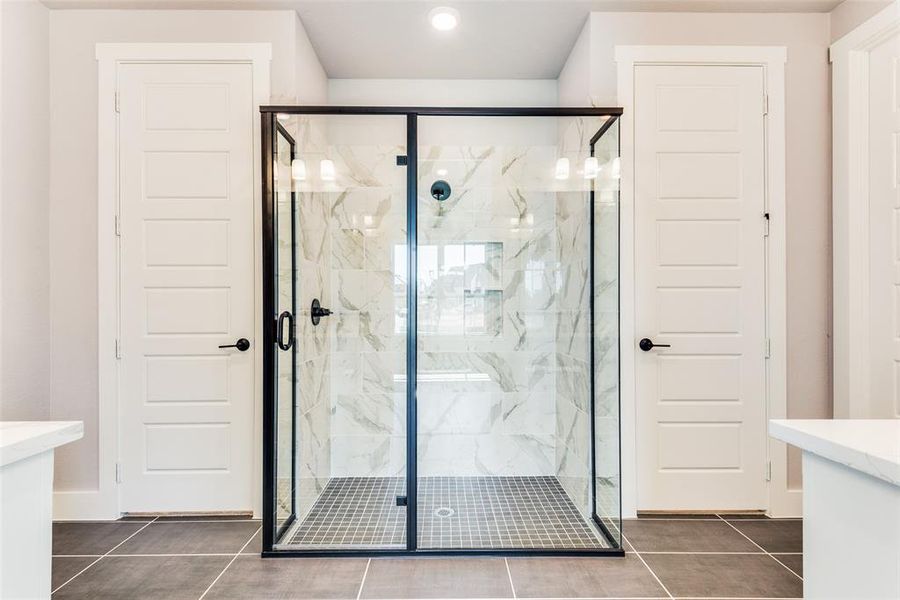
666, 557
454, 512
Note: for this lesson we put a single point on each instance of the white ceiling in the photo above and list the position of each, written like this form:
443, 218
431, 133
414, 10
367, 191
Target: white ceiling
496, 39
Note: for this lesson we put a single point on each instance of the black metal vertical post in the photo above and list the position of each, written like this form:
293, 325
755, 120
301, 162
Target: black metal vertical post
267, 126
593, 367
412, 282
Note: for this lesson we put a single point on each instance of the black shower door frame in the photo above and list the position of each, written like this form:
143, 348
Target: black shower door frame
268, 127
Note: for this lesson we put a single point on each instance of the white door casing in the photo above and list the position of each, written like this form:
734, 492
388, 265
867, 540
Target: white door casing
187, 281
884, 229
866, 218
700, 286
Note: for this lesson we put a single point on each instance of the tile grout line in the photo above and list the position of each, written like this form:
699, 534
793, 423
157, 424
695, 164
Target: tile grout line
363, 581
646, 566
230, 562
761, 548
99, 558
512, 586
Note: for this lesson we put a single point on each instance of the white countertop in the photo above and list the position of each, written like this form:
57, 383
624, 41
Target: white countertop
22, 439
869, 446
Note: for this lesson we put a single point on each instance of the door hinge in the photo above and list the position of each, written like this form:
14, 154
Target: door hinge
118, 472
401, 500
769, 470
766, 217
118, 226
117, 100
765, 104
402, 160
118, 348
768, 348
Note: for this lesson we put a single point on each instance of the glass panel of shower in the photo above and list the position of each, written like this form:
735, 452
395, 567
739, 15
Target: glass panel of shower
506, 421
340, 332
442, 321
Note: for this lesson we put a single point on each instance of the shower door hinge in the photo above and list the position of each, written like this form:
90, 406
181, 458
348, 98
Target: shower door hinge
118, 472
769, 470
118, 348
401, 501
768, 348
765, 104
766, 217
118, 226
402, 160
117, 100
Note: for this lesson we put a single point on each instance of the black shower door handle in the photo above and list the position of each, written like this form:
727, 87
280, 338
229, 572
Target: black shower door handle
279, 330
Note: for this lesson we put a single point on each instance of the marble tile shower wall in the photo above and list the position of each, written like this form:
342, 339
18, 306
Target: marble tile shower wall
503, 301
572, 341
486, 298
367, 253
314, 344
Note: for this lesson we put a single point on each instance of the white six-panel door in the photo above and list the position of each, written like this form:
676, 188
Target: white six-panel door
699, 181
884, 230
187, 286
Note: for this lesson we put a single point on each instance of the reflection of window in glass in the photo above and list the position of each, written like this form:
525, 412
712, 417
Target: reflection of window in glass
459, 288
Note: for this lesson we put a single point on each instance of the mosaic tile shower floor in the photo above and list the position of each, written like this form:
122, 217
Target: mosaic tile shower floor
454, 512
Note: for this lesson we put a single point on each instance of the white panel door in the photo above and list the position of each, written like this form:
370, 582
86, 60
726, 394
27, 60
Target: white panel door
884, 230
700, 287
187, 273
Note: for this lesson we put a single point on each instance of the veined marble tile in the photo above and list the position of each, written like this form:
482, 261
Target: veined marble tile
463, 454
383, 372
367, 166
346, 331
368, 456
346, 371
368, 414
573, 381
383, 331
572, 429
313, 382
439, 412
532, 413
378, 209
347, 249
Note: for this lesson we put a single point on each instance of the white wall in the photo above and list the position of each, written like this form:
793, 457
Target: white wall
574, 82
24, 243
443, 92
73, 180
848, 15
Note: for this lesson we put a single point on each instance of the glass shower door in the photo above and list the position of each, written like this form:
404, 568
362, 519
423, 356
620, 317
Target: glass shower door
340, 342
286, 351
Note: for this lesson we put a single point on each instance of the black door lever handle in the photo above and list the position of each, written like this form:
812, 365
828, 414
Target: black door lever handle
242, 344
647, 345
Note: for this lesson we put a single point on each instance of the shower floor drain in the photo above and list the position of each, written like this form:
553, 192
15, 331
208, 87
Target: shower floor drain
444, 512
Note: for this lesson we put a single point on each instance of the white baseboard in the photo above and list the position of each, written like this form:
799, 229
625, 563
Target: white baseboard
84, 506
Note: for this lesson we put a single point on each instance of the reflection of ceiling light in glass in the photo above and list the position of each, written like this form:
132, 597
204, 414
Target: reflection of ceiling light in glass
444, 18
326, 170
298, 169
562, 168
617, 168
441, 172
591, 167
283, 116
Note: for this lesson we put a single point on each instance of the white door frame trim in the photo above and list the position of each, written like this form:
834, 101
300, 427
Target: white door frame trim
850, 210
782, 501
104, 502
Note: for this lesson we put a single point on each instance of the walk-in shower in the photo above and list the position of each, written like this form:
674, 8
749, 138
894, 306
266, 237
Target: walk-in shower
441, 313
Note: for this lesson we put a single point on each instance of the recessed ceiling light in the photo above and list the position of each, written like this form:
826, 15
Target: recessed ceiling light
444, 18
